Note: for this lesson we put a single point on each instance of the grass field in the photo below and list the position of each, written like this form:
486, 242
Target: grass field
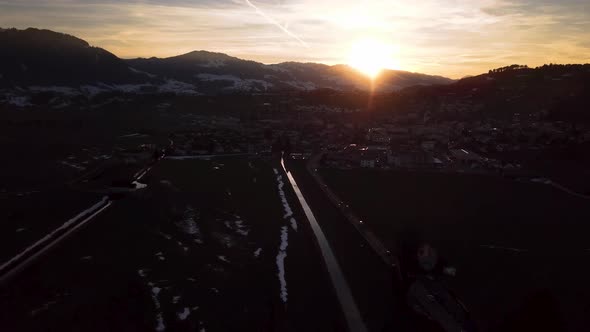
199, 249
520, 248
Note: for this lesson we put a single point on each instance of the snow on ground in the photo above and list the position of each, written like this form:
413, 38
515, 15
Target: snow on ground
223, 259
238, 83
282, 254
159, 318
177, 87
237, 226
139, 185
541, 180
188, 224
286, 206
19, 101
503, 248
277, 68
213, 64
224, 239
44, 307
252, 84
130, 135
215, 77
64, 90
61, 105
293, 224
78, 167
131, 88
302, 85
92, 91
184, 314
166, 236
257, 252
142, 72
281, 262
163, 106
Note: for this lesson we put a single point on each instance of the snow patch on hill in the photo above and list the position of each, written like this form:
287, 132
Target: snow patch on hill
246, 84
64, 90
19, 101
142, 72
213, 64
177, 87
307, 85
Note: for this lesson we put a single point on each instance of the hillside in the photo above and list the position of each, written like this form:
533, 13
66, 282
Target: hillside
212, 72
42, 57
555, 92
42, 61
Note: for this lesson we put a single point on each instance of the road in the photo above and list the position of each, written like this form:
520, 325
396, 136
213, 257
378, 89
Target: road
21, 261
30, 254
351, 312
195, 250
366, 233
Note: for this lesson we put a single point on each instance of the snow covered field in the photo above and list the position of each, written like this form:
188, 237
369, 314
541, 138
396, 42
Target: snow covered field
195, 250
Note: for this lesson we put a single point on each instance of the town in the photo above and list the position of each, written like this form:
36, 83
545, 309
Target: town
406, 141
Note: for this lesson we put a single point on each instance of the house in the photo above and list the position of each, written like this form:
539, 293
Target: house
378, 135
464, 157
369, 158
428, 145
367, 163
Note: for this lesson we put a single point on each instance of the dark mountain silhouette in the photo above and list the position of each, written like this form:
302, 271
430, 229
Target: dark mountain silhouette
43, 57
202, 68
550, 91
34, 57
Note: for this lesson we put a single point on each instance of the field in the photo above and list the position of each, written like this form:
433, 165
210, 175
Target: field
206, 246
371, 281
518, 247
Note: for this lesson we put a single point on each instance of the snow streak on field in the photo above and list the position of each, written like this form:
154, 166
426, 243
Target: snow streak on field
188, 224
282, 254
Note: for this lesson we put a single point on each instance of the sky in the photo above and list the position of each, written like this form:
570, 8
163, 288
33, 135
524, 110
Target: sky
453, 38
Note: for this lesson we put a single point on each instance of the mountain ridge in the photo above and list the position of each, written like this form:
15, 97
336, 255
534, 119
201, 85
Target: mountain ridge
40, 57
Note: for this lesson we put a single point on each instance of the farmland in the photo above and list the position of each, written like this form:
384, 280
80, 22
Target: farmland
517, 246
208, 245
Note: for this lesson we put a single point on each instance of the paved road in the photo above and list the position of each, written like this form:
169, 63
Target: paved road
16, 264
367, 234
568, 191
349, 307
21, 261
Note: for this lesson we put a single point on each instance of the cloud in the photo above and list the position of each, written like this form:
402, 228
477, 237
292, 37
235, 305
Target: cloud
452, 38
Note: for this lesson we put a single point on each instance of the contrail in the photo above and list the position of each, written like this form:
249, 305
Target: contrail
273, 21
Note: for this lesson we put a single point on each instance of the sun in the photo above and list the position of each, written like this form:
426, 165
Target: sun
370, 57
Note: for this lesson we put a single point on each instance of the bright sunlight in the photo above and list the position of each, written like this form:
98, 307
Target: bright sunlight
370, 57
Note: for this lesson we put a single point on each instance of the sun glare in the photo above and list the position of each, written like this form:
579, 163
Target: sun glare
370, 57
